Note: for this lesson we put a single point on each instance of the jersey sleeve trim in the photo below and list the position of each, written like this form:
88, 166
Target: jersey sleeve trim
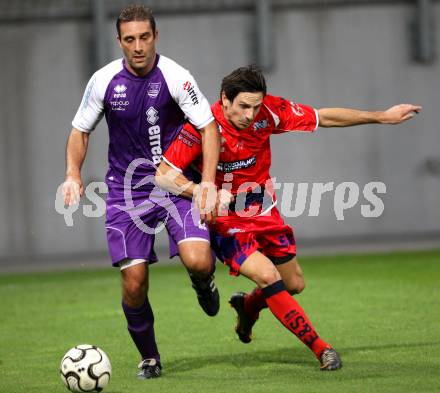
276, 118
317, 119
290, 116
80, 129
206, 123
172, 165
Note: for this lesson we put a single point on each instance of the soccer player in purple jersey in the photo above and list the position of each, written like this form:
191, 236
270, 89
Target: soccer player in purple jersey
145, 98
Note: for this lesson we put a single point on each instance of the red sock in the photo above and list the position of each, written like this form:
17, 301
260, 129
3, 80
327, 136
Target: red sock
292, 316
254, 302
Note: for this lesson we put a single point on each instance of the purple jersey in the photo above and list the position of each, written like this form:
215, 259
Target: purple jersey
144, 115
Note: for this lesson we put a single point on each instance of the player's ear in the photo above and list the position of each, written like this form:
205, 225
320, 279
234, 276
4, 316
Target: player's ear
118, 38
224, 99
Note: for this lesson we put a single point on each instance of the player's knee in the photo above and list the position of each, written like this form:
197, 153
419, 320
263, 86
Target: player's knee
301, 286
198, 263
200, 267
135, 291
296, 287
267, 277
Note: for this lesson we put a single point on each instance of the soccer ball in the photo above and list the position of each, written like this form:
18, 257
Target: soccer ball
85, 368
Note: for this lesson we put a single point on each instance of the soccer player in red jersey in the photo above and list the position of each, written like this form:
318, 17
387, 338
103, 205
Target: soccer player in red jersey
250, 236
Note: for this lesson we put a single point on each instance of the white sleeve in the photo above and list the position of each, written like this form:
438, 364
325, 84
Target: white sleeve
184, 90
91, 110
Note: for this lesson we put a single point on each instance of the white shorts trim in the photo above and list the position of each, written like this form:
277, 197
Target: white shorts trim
194, 239
268, 209
123, 238
128, 262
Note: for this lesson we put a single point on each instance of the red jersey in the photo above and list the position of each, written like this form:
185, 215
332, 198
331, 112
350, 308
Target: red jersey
244, 165
246, 153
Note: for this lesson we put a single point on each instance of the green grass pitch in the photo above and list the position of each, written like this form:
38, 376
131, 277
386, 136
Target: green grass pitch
382, 313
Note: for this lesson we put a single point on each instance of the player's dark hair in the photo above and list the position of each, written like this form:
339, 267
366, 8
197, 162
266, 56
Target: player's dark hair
135, 12
249, 79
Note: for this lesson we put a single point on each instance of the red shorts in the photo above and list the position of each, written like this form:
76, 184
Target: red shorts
235, 238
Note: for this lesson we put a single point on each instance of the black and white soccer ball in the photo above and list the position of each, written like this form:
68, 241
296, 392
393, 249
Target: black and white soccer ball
85, 368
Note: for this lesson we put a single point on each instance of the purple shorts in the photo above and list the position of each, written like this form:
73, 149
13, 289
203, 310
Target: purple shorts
133, 220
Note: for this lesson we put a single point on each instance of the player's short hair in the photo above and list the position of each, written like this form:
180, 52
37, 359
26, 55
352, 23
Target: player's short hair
249, 79
135, 12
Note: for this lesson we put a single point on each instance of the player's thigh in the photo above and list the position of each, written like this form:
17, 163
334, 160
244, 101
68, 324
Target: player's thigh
260, 269
188, 236
130, 237
135, 283
292, 275
196, 255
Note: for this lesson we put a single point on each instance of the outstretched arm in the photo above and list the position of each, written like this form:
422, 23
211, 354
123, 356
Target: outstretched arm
76, 150
344, 117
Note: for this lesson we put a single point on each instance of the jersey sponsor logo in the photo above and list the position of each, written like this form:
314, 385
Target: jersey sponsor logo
154, 135
188, 139
232, 166
152, 116
260, 124
297, 109
119, 105
155, 143
183, 139
153, 89
120, 91
187, 86
190, 136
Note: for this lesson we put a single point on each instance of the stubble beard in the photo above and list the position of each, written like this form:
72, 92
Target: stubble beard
146, 65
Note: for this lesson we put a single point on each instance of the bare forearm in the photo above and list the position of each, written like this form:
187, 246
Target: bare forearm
76, 150
173, 181
345, 117
211, 151
183, 186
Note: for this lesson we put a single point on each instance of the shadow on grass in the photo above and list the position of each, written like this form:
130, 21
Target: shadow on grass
242, 360
388, 346
301, 359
